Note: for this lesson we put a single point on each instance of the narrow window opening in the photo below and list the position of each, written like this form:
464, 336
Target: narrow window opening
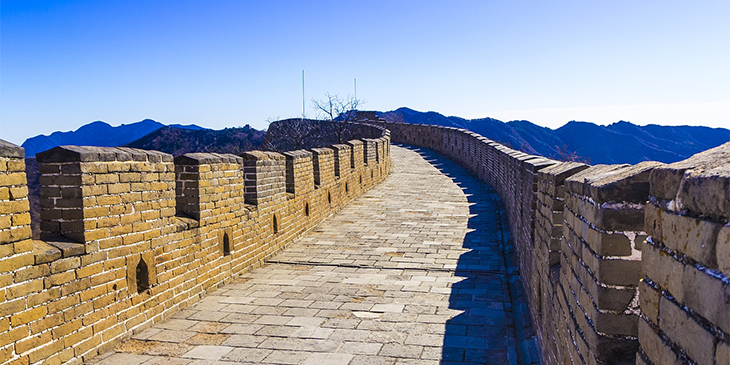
347, 188
226, 244
143, 276
360, 179
306, 209
329, 198
275, 225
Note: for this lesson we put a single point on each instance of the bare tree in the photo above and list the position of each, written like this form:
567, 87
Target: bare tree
293, 134
339, 112
564, 154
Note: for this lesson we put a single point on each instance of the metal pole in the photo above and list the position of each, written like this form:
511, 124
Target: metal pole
303, 111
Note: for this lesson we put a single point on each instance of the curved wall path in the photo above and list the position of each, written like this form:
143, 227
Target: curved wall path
399, 276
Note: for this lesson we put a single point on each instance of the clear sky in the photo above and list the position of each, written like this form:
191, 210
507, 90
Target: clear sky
225, 63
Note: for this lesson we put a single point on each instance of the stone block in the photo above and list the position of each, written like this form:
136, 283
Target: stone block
10, 150
723, 249
613, 183
685, 331
649, 297
658, 351
708, 294
694, 237
666, 180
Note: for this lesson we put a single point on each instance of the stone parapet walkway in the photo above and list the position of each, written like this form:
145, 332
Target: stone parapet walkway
398, 276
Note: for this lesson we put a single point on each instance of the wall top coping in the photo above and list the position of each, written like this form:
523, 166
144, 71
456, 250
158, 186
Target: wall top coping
261, 155
297, 154
340, 147
537, 163
101, 154
666, 180
354, 142
8, 149
560, 171
614, 183
207, 158
322, 151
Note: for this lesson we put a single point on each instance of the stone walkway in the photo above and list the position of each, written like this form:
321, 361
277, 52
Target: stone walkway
396, 277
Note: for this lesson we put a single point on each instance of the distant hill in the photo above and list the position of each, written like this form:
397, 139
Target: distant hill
97, 134
177, 141
620, 142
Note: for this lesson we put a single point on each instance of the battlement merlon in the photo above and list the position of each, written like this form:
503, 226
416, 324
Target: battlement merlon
323, 160
299, 172
103, 193
208, 185
14, 206
264, 176
343, 159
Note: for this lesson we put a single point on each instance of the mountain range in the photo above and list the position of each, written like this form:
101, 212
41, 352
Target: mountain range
620, 142
97, 134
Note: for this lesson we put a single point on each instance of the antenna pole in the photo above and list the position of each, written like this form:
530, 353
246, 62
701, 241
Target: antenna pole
356, 88
303, 111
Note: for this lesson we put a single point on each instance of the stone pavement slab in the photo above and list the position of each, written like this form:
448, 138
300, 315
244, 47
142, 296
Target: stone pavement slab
413, 272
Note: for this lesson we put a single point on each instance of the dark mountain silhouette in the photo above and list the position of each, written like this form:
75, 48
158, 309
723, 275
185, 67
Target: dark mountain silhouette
177, 141
620, 142
96, 134
173, 139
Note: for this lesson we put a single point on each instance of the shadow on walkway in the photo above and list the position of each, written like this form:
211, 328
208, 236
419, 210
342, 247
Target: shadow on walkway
487, 331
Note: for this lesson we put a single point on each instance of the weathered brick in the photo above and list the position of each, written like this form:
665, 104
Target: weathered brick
698, 342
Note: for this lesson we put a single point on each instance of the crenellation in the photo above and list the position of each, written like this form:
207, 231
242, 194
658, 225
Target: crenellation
323, 160
370, 151
264, 176
132, 237
620, 263
342, 154
299, 172
358, 154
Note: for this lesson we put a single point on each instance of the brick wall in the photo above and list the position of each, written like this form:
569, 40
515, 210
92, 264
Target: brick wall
685, 292
130, 237
599, 290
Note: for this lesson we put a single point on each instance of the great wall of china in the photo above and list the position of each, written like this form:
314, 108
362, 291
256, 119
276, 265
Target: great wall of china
130, 237
601, 292
622, 263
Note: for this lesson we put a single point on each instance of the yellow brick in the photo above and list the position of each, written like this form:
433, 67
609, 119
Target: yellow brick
28, 316
66, 328
73, 339
92, 293
13, 207
25, 289
45, 296
65, 264
21, 219
18, 193
42, 353
32, 272
63, 304
62, 278
48, 321
89, 270
29, 343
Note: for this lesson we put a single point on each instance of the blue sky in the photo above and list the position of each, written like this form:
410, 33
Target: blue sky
226, 63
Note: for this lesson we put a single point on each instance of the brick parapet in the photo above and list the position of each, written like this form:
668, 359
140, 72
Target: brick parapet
157, 235
579, 232
685, 291
299, 168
